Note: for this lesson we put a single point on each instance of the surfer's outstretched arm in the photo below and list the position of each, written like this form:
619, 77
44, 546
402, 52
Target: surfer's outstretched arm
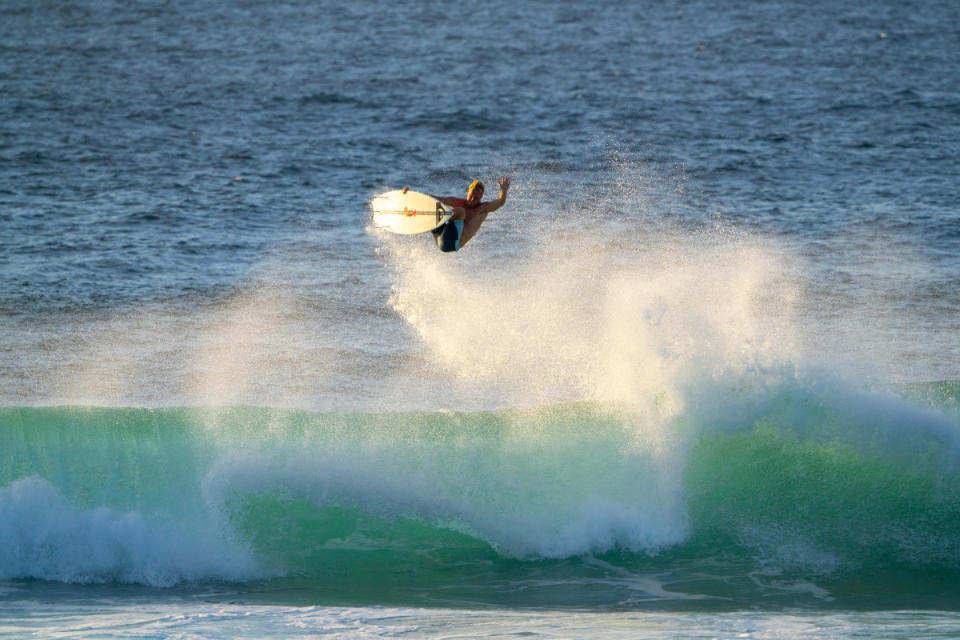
493, 205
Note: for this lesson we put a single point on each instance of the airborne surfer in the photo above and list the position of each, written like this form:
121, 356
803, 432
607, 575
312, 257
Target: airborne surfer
468, 214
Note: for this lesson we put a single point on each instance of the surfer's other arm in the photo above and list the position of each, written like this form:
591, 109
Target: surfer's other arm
447, 200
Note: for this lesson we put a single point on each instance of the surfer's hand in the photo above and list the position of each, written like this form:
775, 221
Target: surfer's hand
405, 189
504, 183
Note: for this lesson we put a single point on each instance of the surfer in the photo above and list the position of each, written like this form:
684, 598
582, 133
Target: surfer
468, 214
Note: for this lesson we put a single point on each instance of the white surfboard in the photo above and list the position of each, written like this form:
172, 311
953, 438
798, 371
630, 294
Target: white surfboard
409, 212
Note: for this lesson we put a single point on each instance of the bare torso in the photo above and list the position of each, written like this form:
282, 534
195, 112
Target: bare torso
472, 217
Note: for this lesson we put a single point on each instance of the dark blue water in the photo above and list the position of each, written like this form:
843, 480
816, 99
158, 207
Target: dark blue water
714, 203
125, 127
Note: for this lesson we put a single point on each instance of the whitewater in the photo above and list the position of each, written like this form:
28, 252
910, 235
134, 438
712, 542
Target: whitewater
653, 431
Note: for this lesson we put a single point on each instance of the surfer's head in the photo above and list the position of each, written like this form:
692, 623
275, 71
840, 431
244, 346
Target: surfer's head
475, 192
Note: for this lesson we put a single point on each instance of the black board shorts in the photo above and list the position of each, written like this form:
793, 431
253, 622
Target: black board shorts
448, 235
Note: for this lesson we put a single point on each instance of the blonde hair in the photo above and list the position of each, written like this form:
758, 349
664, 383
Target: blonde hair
476, 184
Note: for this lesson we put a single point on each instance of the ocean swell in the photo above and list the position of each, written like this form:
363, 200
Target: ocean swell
800, 481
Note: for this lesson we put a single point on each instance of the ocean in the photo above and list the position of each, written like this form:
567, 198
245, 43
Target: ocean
699, 377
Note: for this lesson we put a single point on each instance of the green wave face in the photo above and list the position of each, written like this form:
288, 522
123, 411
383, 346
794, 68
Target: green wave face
794, 496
